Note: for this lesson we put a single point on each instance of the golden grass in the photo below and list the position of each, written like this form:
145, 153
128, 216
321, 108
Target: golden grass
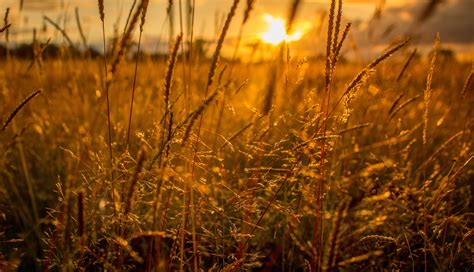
258, 169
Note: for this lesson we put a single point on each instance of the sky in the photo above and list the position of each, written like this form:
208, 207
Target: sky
452, 18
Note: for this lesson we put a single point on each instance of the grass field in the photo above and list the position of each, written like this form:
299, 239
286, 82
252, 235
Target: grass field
290, 164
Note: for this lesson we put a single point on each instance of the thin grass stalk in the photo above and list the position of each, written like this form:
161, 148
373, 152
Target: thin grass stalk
405, 66
170, 72
142, 23
333, 248
466, 93
80, 213
213, 67
270, 89
337, 27
6, 29
61, 30
295, 4
468, 85
129, 16
133, 91
318, 221
133, 182
292, 169
19, 107
355, 83
403, 105
395, 103
6, 25
127, 36
170, 68
168, 111
183, 55
80, 221
157, 199
190, 64
67, 226
428, 90
220, 43
248, 9
81, 32
237, 134
427, 98
106, 82
170, 14
341, 42
29, 182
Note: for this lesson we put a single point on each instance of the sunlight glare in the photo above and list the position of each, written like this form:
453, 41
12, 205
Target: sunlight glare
276, 31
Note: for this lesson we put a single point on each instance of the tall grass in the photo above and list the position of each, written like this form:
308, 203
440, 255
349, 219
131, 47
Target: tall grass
290, 164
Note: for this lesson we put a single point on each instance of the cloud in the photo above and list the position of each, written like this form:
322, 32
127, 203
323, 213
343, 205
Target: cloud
451, 18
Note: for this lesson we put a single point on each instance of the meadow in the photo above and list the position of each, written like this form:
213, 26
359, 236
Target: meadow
194, 163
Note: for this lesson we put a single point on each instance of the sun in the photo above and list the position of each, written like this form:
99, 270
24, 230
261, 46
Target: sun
276, 31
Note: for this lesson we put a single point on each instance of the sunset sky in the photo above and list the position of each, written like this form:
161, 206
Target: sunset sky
452, 18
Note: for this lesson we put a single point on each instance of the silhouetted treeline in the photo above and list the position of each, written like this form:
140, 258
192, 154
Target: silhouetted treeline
26, 51
53, 51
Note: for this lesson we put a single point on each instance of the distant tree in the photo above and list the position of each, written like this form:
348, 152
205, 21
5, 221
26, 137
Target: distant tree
444, 55
200, 48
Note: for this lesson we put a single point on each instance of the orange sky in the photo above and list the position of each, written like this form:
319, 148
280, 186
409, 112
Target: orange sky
453, 19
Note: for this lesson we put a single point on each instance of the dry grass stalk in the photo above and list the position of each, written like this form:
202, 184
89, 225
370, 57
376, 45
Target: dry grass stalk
403, 105
429, 10
340, 43
61, 30
106, 83
80, 214
143, 15
360, 258
210, 79
248, 9
220, 43
5, 28
193, 116
133, 183
407, 63
6, 25
270, 90
238, 133
170, 14
38, 50
79, 27
428, 90
331, 42
395, 103
439, 150
331, 256
329, 46
468, 84
170, 68
337, 27
354, 128
101, 10
129, 16
19, 107
126, 38
360, 78
295, 4
142, 23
